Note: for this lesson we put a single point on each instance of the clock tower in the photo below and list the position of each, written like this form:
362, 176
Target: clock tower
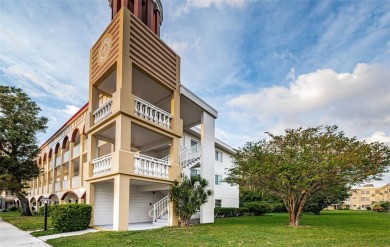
133, 122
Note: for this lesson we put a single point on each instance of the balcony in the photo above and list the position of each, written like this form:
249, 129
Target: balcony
152, 113
103, 111
65, 184
76, 150
66, 156
58, 161
102, 165
76, 182
149, 166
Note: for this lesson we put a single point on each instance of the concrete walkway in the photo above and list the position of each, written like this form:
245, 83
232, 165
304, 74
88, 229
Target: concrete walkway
67, 234
12, 236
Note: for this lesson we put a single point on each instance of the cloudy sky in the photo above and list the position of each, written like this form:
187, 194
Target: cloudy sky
264, 65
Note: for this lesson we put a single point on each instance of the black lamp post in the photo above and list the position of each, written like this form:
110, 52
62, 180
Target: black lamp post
45, 201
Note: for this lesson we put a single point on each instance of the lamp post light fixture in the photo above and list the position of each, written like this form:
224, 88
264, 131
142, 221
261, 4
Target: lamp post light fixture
45, 201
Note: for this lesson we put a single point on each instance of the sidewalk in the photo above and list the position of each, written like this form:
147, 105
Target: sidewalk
12, 236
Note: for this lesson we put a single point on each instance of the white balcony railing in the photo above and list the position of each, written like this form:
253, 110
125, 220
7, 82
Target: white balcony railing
150, 166
76, 150
152, 113
66, 156
103, 111
51, 163
57, 187
102, 165
76, 182
58, 161
65, 184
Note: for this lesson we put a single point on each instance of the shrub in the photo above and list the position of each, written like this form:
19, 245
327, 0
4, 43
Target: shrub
42, 210
258, 208
378, 208
70, 217
279, 208
229, 212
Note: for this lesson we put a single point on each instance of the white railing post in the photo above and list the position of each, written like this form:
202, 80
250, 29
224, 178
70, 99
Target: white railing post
102, 165
189, 155
152, 113
103, 111
150, 166
160, 208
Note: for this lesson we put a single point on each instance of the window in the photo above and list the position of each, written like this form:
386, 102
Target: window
218, 203
218, 156
218, 180
194, 143
377, 191
195, 172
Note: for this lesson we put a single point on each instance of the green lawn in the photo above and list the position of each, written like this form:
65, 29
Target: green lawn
30, 223
331, 228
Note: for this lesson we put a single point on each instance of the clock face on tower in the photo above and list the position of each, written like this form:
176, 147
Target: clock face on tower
104, 49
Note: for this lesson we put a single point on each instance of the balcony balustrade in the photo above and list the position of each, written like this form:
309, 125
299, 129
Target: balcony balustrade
65, 184
152, 113
76, 150
103, 111
66, 156
102, 165
58, 161
149, 166
76, 182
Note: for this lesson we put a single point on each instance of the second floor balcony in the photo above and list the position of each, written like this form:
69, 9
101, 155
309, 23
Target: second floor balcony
103, 111
152, 113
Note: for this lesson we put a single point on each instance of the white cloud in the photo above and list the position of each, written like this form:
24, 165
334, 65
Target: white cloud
71, 109
190, 4
358, 102
379, 136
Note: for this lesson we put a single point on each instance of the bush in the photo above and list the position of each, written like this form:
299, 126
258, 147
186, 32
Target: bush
378, 208
279, 208
70, 217
258, 208
42, 210
229, 212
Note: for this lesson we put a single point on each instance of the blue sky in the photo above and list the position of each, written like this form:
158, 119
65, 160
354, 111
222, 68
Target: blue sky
264, 65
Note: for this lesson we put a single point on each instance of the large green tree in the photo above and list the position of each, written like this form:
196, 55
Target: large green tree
188, 195
302, 162
19, 125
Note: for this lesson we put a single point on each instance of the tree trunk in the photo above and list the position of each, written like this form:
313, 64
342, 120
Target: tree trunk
25, 205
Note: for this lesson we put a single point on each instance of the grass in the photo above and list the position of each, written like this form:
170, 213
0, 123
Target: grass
331, 228
26, 223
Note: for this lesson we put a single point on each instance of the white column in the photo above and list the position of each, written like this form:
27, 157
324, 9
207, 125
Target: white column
207, 140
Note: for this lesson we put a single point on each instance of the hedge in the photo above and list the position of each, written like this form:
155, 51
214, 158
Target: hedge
42, 210
229, 212
279, 208
71, 217
258, 208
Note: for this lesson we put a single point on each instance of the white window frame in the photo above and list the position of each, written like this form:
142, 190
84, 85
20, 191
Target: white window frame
215, 179
215, 203
218, 156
